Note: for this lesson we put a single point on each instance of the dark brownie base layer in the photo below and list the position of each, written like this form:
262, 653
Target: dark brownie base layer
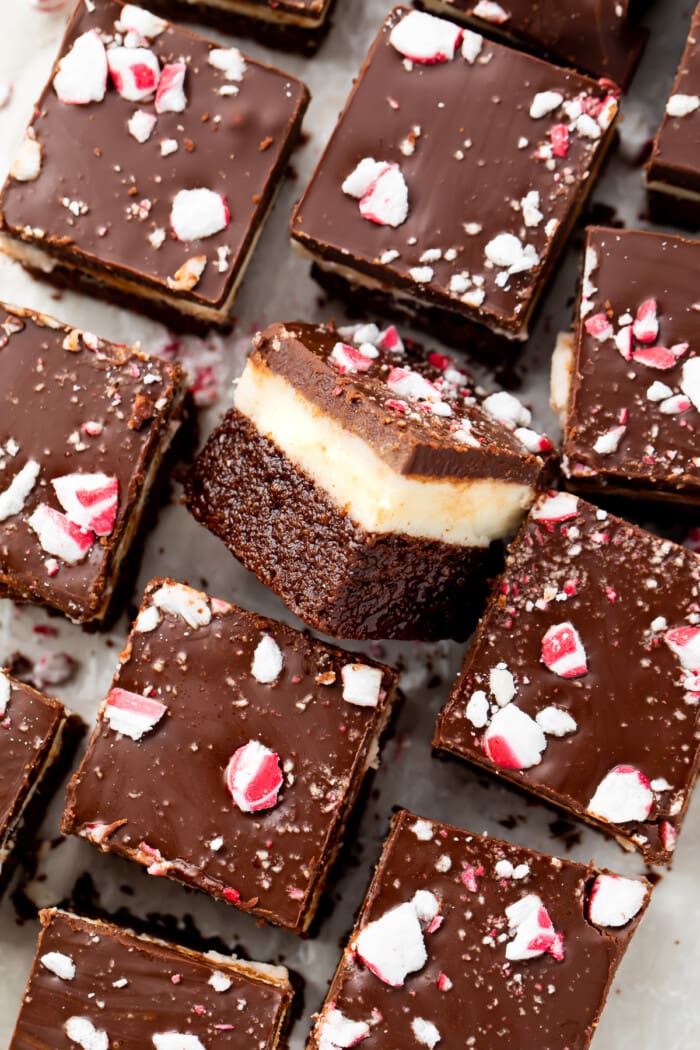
673, 211
338, 578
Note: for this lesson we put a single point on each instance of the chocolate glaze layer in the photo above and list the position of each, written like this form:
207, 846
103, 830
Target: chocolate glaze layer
620, 588
338, 578
464, 166
52, 374
132, 988
599, 37
280, 32
234, 144
675, 158
273, 862
467, 988
658, 453
409, 437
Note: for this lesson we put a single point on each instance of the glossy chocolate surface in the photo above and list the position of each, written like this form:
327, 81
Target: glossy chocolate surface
675, 160
104, 199
657, 451
468, 989
621, 589
131, 989
469, 151
413, 437
128, 794
75, 404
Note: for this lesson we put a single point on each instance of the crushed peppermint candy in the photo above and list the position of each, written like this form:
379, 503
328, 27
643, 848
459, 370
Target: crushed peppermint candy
59, 536
614, 900
362, 684
170, 96
268, 661
59, 964
563, 651
13, 498
335, 1030
624, 794
135, 72
513, 740
179, 600
229, 61
532, 931
131, 714
82, 1031
81, 77
89, 500
254, 777
381, 189
198, 213
425, 39
393, 946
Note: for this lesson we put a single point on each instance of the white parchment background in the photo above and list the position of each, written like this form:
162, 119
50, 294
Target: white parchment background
655, 1005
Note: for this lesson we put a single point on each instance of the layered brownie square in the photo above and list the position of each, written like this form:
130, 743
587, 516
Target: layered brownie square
85, 426
150, 165
601, 39
468, 941
583, 681
295, 25
36, 732
673, 170
453, 177
633, 393
273, 733
96, 986
365, 482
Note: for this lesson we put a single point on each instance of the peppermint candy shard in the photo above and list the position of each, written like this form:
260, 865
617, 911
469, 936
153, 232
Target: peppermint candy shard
392, 946
59, 964
268, 661
532, 931
690, 380
190, 605
81, 77
82, 1031
59, 536
135, 72
335, 1030
646, 324
553, 721
347, 358
229, 61
555, 508
614, 900
362, 685
13, 498
254, 777
513, 740
141, 125
89, 500
26, 167
5, 693
137, 20
386, 200
198, 213
685, 643
131, 714
563, 651
170, 96
623, 795
425, 39
177, 1041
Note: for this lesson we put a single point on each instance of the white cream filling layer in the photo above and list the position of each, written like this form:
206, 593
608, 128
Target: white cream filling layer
265, 14
680, 192
469, 512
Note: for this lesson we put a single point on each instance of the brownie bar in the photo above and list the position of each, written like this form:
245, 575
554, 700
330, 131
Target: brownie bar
462, 208
154, 185
365, 482
603, 39
293, 25
673, 170
75, 486
96, 986
273, 731
467, 941
34, 732
634, 391
582, 684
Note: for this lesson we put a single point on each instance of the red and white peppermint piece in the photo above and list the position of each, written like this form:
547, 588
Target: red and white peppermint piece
599, 327
615, 900
362, 685
425, 39
623, 794
135, 19
491, 12
254, 777
386, 200
134, 72
82, 1031
545, 102
609, 441
393, 945
198, 213
190, 605
268, 661
623, 341
669, 835
337, 1030
13, 498
390, 340
472, 43
513, 740
90, 500
646, 322
59, 964
131, 714
141, 125
690, 380
59, 536
563, 651
347, 358
559, 137
426, 1033
82, 73
178, 1041
659, 357
673, 406
685, 643
412, 386
507, 409
532, 930
361, 178
170, 96
556, 507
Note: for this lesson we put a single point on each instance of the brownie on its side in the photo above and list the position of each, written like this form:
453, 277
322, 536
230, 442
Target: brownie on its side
34, 733
96, 986
272, 731
633, 392
600, 37
453, 177
84, 427
150, 165
365, 482
583, 682
673, 170
467, 941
